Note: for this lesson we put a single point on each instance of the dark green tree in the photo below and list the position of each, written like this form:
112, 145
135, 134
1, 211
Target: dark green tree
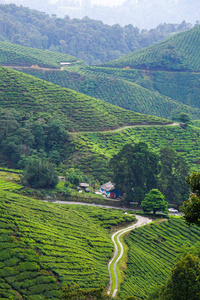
39, 174
172, 177
184, 281
191, 207
184, 118
154, 201
135, 170
57, 136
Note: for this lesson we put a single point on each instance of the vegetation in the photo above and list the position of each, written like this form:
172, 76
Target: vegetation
184, 281
191, 207
78, 112
45, 246
74, 292
139, 96
135, 170
89, 40
40, 174
172, 177
95, 149
152, 252
179, 52
16, 55
154, 201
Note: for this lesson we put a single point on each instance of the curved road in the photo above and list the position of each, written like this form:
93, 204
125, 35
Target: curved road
141, 221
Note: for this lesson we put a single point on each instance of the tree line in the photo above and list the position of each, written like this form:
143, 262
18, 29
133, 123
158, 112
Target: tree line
87, 39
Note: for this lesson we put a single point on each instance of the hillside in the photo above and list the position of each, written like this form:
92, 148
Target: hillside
179, 52
77, 111
153, 250
16, 55
44, 246
95, 149
87, 39
117, 90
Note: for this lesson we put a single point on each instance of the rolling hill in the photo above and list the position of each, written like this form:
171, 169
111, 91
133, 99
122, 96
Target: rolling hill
117, 90
177, 53
11, 54
77, 111
44, 246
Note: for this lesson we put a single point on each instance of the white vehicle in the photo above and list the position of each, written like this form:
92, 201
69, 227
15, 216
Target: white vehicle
172, 210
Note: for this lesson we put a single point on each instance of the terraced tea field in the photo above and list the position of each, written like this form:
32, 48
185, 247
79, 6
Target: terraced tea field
153, 250
44, 246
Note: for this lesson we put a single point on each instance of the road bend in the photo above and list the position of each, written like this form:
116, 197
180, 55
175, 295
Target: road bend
119, 251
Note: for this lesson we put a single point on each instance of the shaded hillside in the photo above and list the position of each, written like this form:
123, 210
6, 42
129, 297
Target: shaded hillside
178, 53
11, 54
182, 87
139, 96
77, 111
45, 246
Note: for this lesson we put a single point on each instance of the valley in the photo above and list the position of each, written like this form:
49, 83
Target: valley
66, 129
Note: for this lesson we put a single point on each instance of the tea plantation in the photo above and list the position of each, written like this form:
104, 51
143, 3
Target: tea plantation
44, 246
152, 252
115, 90
78, 112
180, 52
16, 55
95, 149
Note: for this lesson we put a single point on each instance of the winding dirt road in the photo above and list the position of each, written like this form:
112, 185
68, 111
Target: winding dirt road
119, 250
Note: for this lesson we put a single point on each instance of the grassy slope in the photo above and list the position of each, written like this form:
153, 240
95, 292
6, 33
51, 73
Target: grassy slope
152, 252
180, 52
11, 54
117, 91
77, 111
44, 246
95, 149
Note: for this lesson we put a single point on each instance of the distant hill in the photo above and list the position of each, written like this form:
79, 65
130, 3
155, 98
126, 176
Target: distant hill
180, 52
89, 40
78, 112
11, 54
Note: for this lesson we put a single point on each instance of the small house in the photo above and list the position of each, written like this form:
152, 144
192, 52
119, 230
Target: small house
109, 189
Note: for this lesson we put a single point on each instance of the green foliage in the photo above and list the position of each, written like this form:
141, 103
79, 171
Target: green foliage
185, 118
42, 100
44, 246
193, 181
180, 52
173, 175
135, 170
184, 281
24, 26
95, 149
122, 88
74, 292
39, 174
154, 201
191, 207
153, 250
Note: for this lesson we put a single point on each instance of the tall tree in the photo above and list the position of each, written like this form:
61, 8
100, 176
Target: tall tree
172, 177
191, 207
154, 201
135, 170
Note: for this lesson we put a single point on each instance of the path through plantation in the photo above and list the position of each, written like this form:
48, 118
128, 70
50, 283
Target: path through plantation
119, 248
118, 253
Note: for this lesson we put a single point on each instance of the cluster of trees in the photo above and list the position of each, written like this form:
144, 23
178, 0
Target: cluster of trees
137, 171
35, 145
87, 39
